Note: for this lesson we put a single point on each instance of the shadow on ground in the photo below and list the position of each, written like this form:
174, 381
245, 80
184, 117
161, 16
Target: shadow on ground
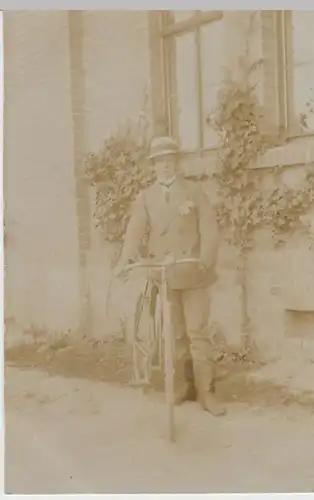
111, 361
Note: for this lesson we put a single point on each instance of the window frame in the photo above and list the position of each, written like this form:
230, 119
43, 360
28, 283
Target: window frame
286, 76
276, 74
169, 32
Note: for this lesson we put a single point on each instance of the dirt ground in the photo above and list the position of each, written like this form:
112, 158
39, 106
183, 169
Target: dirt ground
111, 362
78, 435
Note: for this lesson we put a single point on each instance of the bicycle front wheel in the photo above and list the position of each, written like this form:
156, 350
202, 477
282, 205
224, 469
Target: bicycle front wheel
141, 357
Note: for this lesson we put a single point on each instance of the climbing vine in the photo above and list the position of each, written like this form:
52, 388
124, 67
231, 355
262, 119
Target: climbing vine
287, 207
117, 173
243, 206
237, 119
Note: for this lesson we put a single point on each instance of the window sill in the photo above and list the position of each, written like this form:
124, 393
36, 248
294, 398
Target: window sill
301, 136
199, 164
298, 151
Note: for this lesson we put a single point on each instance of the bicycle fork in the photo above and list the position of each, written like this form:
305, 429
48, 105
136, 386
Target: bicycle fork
168, 356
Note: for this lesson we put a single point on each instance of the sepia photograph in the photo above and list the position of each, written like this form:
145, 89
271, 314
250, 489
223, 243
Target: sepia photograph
158, 235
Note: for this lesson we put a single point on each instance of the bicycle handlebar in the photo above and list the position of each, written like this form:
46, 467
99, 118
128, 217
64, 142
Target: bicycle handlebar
160, 265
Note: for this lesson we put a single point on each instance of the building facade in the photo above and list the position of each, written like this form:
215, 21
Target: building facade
71, 78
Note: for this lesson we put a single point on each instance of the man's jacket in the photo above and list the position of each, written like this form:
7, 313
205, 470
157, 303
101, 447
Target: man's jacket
182, 224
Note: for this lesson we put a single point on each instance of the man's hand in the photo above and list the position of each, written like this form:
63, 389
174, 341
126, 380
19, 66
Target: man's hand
209, 272
203, 268
169, 260
118, 271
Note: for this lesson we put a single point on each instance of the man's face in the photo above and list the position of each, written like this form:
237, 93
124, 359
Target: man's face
166, 166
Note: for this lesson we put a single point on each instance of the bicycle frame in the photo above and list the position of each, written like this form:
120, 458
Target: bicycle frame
169, 362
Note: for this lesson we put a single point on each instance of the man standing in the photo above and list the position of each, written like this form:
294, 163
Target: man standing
180, 224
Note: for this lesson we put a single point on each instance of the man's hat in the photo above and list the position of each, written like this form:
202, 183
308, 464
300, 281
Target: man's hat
161, 146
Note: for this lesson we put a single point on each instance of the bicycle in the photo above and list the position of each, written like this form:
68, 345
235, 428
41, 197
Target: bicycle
160, 336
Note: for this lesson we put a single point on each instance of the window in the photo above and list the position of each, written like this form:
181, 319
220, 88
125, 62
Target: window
194, 43
298, 69
193, 74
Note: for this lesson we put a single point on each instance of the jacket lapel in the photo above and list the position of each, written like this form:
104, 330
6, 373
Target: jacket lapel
177, 196
159, 205
166, 210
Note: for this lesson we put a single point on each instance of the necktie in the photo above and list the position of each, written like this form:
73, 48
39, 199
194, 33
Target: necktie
166, 188
166, 192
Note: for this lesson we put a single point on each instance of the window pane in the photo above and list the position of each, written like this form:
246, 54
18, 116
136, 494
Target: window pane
212, 75
182, 15
303, 68
187, 102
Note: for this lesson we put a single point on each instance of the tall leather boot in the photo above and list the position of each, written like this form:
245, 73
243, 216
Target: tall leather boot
184, 381
203, 375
